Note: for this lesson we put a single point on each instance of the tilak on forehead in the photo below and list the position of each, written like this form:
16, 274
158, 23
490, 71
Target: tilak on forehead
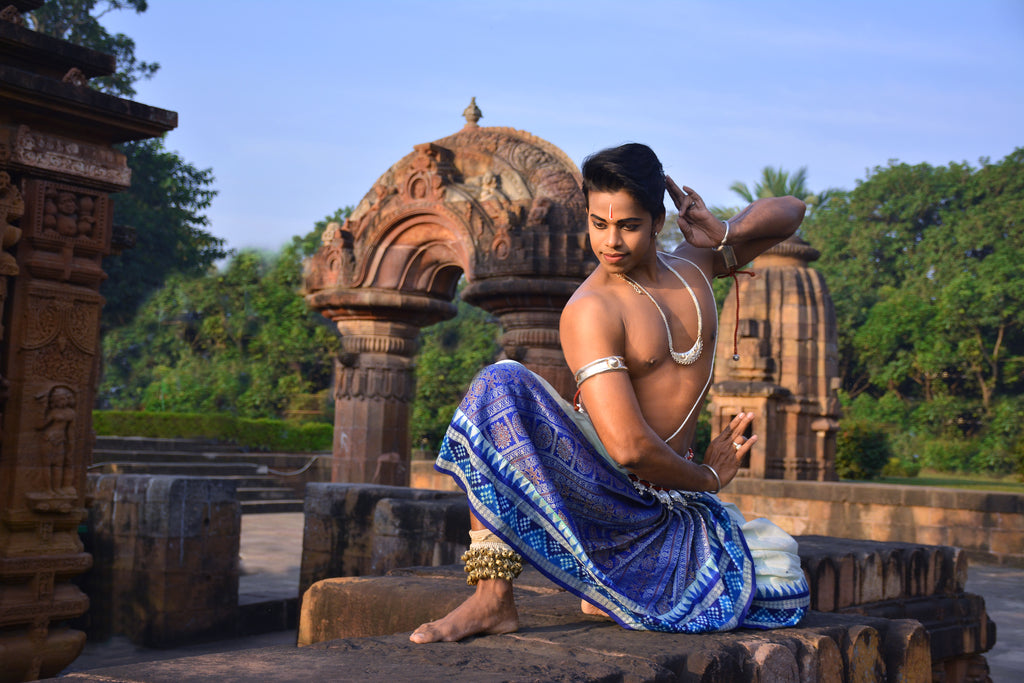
610, 216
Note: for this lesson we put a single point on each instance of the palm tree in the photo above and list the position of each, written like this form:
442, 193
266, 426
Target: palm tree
778, 183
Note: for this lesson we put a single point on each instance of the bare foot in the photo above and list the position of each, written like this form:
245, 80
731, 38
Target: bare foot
593, 611
490, 610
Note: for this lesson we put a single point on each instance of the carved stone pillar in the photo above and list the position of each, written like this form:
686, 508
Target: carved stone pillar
57, 170
373, 392
787, 373
374, 384
529, 310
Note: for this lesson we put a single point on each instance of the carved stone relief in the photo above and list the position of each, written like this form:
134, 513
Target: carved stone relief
64, 156
12, 208
57, 440
61, 335
70, 214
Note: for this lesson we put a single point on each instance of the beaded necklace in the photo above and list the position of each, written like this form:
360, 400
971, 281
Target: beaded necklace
693, 354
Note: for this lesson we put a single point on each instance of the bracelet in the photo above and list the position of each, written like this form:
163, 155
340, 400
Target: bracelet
717, 480
721, 244
728, 255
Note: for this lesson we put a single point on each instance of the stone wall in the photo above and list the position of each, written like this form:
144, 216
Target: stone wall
166, 558
989, 527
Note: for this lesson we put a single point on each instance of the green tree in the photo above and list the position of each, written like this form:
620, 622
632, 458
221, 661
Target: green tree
777, 182
239, 340
923, 266
862, 450
164, 207
451, 353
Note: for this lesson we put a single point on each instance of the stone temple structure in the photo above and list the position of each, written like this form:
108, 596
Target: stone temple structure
787, 373
500, 206
57, 171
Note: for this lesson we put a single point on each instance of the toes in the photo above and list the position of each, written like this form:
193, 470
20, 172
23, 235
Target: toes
421, 635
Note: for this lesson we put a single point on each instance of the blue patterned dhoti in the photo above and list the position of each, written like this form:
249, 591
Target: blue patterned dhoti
537, 476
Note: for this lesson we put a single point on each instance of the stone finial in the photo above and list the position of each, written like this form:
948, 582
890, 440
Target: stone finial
472, 114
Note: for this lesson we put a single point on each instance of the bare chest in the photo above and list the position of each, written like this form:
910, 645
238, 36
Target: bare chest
668, 328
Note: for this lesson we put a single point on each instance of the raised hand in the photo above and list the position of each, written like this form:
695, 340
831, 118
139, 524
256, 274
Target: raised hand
699, 226
726, 451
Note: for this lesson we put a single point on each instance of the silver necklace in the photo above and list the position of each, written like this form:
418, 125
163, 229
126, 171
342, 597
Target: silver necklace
687, 357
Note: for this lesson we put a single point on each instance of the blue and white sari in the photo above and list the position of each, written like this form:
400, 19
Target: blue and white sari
537, 476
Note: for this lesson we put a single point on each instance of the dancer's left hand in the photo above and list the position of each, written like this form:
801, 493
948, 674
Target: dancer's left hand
699, 226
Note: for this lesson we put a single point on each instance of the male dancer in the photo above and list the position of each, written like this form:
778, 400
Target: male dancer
606, 499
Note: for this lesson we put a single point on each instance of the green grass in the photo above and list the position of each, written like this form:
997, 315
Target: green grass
975, 482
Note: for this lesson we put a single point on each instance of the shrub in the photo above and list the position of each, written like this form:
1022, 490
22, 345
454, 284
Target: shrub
948, 455
861, 450
901, 467
1019, 454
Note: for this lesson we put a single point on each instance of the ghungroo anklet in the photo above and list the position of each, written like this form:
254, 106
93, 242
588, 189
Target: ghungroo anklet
490, 562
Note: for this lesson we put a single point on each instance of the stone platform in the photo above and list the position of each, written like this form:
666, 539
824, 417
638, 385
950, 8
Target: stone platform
555, 643
274, 550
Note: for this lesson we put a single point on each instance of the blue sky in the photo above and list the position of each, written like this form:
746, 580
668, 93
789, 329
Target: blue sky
298, 108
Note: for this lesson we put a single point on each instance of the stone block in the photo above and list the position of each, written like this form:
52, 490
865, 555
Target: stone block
870, 578
1008, 521
419, 533
356, 607
341, 529
175, 628
1006, 543
225, 519
819, 658
220, 555
125, 518
907, 653
180, 506
177, 552
846, 581
769, 662
932, 535
862, 654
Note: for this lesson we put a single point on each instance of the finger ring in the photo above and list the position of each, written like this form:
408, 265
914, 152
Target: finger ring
736, 445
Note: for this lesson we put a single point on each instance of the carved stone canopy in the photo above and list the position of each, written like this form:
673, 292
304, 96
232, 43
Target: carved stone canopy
486, 202
497, 205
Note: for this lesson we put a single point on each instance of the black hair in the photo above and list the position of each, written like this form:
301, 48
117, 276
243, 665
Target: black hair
632, 167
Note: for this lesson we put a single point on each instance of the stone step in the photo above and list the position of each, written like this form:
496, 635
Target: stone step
145, 443
179, 468
277, 461
254, 493
250, 507
243, 481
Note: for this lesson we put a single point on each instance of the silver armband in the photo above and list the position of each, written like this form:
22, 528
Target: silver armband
607, 364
